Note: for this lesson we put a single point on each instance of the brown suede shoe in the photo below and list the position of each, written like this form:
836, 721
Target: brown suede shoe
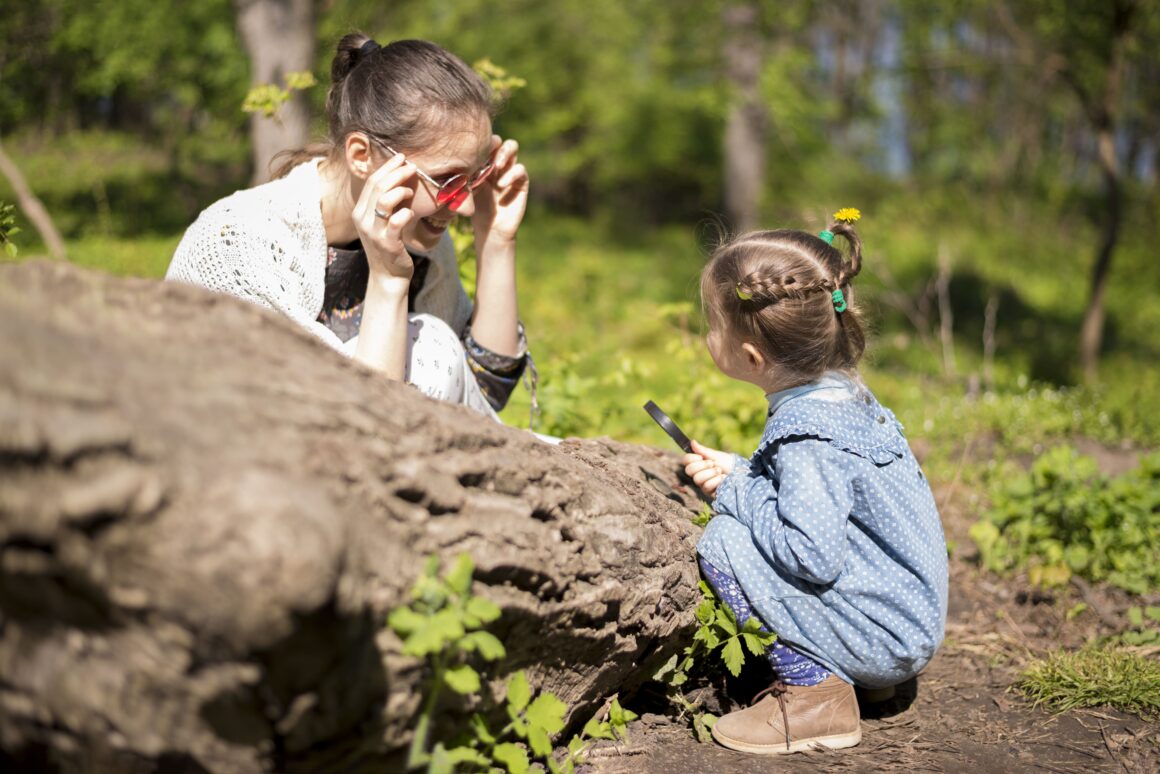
822, 715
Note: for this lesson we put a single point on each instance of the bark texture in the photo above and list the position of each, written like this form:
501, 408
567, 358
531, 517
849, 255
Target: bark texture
205, 516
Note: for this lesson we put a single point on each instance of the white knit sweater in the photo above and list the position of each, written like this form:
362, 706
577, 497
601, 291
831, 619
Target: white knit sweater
267, 245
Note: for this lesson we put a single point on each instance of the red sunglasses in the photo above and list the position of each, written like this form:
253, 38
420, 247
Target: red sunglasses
453, 191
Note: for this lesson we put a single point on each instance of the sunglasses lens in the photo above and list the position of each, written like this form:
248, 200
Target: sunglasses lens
453, 199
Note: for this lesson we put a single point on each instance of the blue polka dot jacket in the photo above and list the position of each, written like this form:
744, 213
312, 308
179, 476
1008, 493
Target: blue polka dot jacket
831, 531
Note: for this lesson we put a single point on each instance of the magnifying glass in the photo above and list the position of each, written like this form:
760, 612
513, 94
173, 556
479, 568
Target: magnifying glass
669, 426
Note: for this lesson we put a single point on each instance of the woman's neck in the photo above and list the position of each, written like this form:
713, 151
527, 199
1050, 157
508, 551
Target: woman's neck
337, 204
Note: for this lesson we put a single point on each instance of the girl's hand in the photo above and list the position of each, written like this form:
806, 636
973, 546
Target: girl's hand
501, 201
380, 214
707, 467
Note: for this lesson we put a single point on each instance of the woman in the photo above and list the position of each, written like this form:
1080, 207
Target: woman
350, 240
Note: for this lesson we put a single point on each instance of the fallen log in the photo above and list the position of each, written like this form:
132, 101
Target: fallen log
206, 516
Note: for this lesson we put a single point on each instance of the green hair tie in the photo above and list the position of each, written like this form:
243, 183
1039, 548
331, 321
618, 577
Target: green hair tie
742, 294
826, 236
838, 299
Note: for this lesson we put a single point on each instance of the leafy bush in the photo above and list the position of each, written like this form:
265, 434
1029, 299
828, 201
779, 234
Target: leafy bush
1063, 517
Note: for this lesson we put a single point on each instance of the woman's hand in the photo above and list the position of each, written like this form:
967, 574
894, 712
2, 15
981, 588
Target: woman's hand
707, 467
379, 217
501, 201
380, 214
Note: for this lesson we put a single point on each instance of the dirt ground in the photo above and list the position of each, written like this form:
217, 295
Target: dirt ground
960, 715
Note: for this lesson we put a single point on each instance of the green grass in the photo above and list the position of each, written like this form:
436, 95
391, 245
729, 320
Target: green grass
1093, 677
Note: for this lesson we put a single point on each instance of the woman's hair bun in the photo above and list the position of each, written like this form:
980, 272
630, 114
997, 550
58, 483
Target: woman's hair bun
352, 49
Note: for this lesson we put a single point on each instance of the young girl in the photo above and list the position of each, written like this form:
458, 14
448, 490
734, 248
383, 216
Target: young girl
350, 241
828, 533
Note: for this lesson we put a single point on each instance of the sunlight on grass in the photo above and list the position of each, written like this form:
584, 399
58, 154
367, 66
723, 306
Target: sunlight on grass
1094, 678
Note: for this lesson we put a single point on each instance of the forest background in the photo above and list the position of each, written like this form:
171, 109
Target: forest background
1004, 156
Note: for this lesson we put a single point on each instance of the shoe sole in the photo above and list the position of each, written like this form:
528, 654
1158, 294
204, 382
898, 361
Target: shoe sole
834, 742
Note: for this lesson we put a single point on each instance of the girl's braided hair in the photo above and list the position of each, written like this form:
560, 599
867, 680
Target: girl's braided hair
774, 289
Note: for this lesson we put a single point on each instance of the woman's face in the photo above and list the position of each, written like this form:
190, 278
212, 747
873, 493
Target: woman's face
462, 150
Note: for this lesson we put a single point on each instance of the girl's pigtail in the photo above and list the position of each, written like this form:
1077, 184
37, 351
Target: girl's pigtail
852, 265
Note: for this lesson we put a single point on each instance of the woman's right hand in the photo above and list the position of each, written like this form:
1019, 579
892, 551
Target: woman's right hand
707, 467
380, 215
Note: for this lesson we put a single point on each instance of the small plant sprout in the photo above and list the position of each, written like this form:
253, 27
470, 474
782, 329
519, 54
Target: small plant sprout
443, 624
8, 229
717, 632
268, 98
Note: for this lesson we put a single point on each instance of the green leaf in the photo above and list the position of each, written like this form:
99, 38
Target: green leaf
459, 576
1136, 616
547, 712
665, 668
435, 633
1152, 612
404, 620
726, 621
468, 755
440, 762
462, 679
733, 656
596, 728
483, 609
488, 645
519, 693
707, 635
626, 716
538, 739
512, 756
10, 249
753, 643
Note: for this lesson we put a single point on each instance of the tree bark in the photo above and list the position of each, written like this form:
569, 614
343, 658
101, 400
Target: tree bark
279, 38
1102, 111
206, 516
1092, 329
32, 207
746, 125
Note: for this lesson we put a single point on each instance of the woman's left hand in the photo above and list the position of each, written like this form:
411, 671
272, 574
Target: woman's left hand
501, 201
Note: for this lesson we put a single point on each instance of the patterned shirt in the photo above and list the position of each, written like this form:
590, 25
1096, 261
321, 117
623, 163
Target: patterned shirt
832, 532
347, 274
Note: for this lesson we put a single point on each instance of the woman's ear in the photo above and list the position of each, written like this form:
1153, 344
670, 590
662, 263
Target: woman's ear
753, 357
357, 152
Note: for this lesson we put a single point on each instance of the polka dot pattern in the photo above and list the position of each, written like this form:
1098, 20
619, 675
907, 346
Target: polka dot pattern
833, 535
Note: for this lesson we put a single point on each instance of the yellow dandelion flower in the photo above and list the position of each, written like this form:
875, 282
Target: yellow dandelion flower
847, 215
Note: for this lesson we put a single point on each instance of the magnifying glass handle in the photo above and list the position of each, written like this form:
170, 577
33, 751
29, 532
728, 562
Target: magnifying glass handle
669, 426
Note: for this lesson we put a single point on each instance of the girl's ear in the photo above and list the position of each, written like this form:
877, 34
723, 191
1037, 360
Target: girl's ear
753, 357
357, 152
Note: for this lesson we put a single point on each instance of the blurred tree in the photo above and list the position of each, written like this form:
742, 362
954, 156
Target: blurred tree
745, 127
279, 38
1091, 47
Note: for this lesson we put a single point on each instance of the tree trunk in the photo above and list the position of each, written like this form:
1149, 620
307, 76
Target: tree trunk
279, 38
1092, 330
745, 127
206, 515
1103, 118
32, 207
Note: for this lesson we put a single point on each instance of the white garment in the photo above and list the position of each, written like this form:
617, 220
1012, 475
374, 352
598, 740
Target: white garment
267, 245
